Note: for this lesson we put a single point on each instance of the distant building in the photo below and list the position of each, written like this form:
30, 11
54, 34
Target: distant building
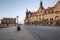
8, 21
0, 21
43, 16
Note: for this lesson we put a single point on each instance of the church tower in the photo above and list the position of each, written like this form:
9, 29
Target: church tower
40, 11
27, 13
41, 5
41, 8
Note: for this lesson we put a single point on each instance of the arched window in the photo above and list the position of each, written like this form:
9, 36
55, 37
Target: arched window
51, 19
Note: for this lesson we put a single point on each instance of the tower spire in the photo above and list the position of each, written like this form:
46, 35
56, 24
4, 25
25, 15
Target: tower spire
26, 12
41, 4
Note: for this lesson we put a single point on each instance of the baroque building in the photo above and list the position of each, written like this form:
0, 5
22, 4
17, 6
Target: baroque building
44, 16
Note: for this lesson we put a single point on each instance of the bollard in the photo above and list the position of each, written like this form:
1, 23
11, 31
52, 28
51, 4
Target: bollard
18, 28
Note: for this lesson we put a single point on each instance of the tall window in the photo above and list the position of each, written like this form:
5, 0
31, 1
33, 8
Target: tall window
51, 19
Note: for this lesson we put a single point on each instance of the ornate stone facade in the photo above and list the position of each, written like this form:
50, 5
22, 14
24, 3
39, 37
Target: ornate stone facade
43, 16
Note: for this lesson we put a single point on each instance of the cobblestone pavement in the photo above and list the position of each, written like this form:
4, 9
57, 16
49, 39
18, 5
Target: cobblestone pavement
43, 32
11, 33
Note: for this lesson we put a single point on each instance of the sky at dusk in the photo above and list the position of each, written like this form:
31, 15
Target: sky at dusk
13, 8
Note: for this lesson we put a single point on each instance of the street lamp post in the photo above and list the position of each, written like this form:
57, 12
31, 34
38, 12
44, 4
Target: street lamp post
17, 20
18, 27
